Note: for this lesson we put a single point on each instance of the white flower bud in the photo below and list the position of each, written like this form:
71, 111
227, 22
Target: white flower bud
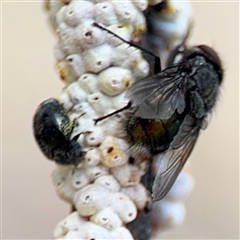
123, 31
95, 137
113, 152
138, 194
124, 207
87, 36
104, 13
109, 182
88, 83
96, 172
141, 4
91, 199
76, 94
98, 58
76, 12
71, 222
114, 80
100, 103
92, 157
65, 101
107, 218
125, 10
67, 41
71, 68
78, 179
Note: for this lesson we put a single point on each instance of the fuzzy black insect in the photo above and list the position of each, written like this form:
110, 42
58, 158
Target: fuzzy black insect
52, 130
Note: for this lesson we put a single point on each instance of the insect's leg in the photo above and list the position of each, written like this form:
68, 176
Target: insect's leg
78, 135
157, 61
113, 113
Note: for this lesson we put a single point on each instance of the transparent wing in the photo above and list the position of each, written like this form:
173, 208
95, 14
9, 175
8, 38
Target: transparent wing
160, 95
172, 162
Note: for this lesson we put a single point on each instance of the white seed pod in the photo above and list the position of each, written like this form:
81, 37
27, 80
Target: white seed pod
168, 214
76, 94
169, 27
114, 80
71, 222
76, 12
58, 52
65, 101
107, 218
84, 112
125, 11
65, 72
78, 179
138, 194
109, 182
130, 58
63, 190
127, 175
123, 31
95, 137
92, 157
87, 36
181, 189
95, 172
123, 57
75, 61
71, 68
104, 13
113, 125
88, 82
90, 230
87, 230
67, 42
53, 7
141, 70
91, 199
141, 4
124, 207
98, 58
113, 151
100, 103
120, 101
68, 182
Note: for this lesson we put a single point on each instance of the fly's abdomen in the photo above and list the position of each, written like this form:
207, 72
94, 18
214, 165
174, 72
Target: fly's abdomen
154, 134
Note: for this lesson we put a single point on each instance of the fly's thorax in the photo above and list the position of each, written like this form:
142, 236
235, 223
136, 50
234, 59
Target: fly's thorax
206, 86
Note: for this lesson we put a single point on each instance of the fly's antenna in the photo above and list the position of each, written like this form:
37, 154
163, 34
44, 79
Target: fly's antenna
157, 61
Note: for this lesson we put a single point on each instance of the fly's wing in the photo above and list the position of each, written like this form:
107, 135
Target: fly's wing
160, 95
172, 162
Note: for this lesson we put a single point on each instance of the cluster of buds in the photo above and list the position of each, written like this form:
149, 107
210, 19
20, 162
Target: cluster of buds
97, 68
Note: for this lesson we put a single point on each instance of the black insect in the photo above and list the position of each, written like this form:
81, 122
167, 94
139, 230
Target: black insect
52, 130
169, 109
